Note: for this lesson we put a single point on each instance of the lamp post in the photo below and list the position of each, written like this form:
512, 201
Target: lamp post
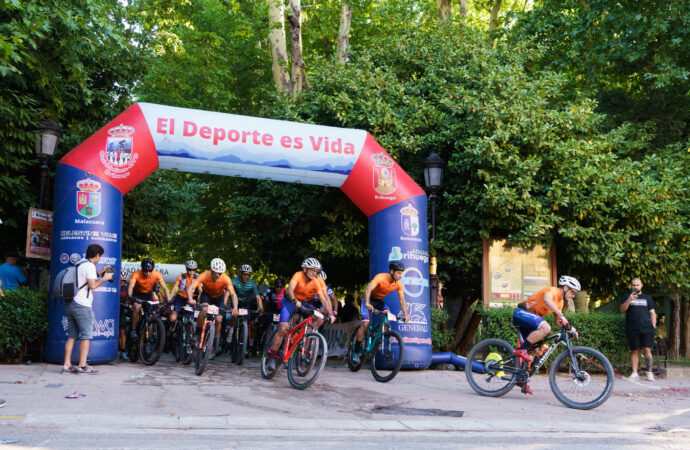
46, 143
433, 177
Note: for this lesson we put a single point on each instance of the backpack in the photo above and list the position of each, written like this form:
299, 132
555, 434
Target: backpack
65, 284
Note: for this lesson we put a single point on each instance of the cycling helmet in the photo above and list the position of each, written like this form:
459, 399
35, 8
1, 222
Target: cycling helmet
191, 264
278, 282
246, 268
571, 282
323, 275
147, 264
218, 265
311, 263
396, 265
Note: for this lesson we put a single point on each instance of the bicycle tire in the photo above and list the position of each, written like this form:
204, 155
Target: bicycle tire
186, 343
204, 353
133, 346
240, 347
353, 365
151, 344
266, 371
588, 367
383, 362
307, 360
504, 381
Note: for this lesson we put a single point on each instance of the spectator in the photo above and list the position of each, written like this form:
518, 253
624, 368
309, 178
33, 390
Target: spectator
2, 294
11, 276
349, 312
640, 326
80, 310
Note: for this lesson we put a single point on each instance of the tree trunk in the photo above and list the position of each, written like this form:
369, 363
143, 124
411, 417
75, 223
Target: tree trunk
299, 74
467, 340
276, 36
463, 8
344, 33
462, 320
685, 327
493, 20
443, 9
674, 335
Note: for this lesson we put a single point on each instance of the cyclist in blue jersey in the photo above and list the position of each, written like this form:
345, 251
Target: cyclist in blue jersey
331, 296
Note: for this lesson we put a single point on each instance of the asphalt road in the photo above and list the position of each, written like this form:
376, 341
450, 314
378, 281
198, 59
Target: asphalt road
167, 406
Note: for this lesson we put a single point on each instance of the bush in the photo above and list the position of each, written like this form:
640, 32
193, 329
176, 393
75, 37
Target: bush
23, 321
603, 332
439, 337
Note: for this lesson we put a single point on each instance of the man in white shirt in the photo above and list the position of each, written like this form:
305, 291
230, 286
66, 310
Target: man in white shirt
80, 310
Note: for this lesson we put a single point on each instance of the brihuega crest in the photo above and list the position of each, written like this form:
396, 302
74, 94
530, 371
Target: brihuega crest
89, 198
119, 156
385, 182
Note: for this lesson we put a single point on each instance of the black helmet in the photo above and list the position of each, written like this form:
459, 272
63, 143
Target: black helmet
278, 282
147, 264
396, 265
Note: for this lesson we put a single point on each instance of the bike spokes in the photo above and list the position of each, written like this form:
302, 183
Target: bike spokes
490, 367
307, 360
582, 381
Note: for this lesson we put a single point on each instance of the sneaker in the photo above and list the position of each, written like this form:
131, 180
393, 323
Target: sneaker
71, 369
650, 376
522, 353
86, 369
634, 376
272, 354
133, 334
525, 387
123, 356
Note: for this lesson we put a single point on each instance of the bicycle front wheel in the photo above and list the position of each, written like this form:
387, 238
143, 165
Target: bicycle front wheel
186, 342
307, 360
387, 356
203, 353
583, 381
354, 357
491, 367
239, 344
152, 341
269, 367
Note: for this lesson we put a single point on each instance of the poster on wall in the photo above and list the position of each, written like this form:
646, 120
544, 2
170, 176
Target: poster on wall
39, 229
512, 274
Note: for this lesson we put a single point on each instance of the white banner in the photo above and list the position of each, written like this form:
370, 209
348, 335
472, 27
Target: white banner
169, 271
337, 335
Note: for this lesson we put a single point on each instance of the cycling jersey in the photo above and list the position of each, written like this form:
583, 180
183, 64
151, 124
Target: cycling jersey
275, 299
304, 290
144, 285
213, 288
384, 286
182, 281
535, 302
246, 292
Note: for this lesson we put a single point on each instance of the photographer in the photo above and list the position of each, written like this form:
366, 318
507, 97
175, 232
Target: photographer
79, 311
640, 326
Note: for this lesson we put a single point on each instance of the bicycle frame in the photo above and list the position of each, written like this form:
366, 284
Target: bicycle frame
211, 314
374, 332
294, 336
523, 373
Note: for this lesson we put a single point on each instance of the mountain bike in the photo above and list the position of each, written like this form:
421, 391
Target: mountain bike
151, 331
579, 377
303, 350
266, 323
204, 342
238, 344
184, 337
384, 347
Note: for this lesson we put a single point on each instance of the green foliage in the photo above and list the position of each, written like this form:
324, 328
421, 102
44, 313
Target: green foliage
439, 337
603, 332
23, 321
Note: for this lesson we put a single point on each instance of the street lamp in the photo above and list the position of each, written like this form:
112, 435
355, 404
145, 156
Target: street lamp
433, 177
46, 143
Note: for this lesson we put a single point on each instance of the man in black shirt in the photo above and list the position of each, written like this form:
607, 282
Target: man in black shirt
640, 326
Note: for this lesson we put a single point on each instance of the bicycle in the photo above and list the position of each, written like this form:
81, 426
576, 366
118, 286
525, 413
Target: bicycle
204, 343
238, 344
381, 344
151, 331
184, 337
303, 350
267, 322
580, 377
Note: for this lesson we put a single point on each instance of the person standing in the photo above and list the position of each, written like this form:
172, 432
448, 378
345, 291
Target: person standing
79, 311
11, 276
640, 326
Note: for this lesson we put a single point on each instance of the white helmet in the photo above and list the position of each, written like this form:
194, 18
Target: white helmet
191, 264
218, 265
571, 282
323, 275
246, 268
311, 263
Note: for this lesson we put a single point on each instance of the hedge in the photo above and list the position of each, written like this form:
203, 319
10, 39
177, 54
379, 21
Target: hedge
604, 332
23, 322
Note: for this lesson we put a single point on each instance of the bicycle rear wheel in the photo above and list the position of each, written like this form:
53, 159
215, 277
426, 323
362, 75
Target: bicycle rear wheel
590, 386
387, 356
239, 343
152, 341
186, 342
354, 358
270, 367
307, 360
204, 352
499, 364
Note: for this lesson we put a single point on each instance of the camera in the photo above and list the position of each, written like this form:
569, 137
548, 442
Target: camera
110, 270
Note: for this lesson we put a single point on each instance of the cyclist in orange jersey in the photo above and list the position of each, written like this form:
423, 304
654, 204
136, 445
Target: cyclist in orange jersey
216, 287
180, 286
379, 287
300, 291
141, 285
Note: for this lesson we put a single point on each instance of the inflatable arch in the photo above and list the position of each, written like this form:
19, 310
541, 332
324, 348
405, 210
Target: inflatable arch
91, 180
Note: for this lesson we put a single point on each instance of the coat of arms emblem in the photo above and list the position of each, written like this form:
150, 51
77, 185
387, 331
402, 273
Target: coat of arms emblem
119, 156
89, 198
409, 216
385, 182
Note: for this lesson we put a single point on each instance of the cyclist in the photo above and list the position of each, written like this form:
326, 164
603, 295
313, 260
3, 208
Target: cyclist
216, 287
141, 286
274, 296
179, 289
301, 289
379, 287
331, 296
246, 289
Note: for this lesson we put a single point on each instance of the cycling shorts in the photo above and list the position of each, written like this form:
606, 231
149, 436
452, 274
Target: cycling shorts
206, 299
526, 321
379, 304
143, 297
179, 302
289, 309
